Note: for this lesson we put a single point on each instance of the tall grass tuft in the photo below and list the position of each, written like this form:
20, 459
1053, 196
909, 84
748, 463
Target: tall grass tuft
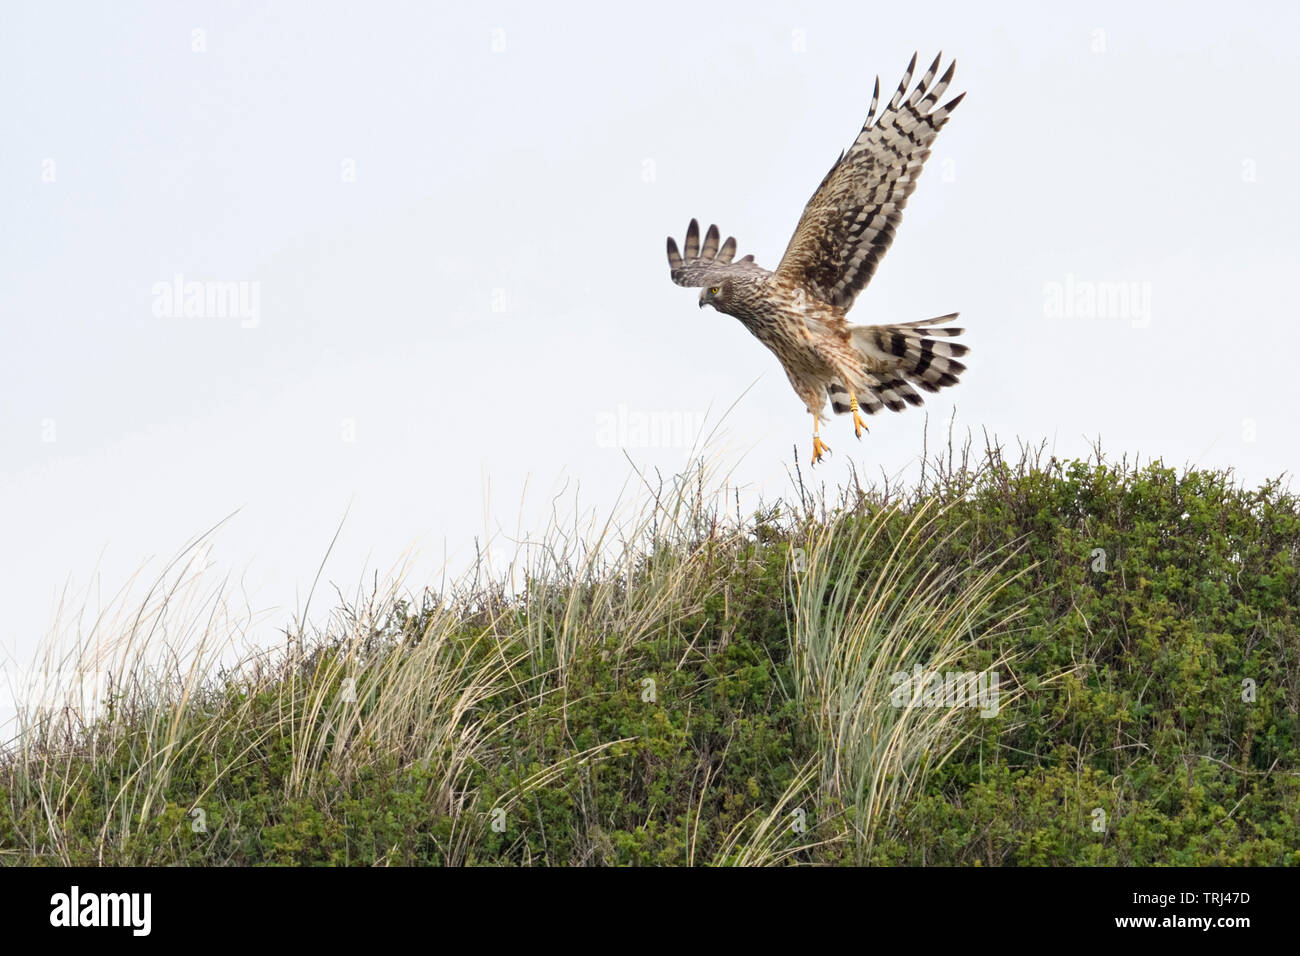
877, 596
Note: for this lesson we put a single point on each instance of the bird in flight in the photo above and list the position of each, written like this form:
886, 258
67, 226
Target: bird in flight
798, 311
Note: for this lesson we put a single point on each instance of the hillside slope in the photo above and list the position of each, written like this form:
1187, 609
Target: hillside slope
696, 692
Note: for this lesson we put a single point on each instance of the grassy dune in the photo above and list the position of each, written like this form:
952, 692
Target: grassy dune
688, 686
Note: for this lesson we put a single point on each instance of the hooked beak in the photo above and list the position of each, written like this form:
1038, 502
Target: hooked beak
702, 294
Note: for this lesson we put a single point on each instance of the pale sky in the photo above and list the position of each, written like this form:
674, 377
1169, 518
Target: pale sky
451, 223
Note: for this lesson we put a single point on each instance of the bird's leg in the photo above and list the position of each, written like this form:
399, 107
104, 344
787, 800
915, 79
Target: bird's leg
819, 446
859, 423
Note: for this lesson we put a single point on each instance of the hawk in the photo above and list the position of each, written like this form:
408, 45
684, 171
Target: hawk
798, 310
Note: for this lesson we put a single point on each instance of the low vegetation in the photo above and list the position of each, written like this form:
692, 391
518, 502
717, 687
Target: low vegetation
691, 686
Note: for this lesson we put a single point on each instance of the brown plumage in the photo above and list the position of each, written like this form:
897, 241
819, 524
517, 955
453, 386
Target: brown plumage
798, 310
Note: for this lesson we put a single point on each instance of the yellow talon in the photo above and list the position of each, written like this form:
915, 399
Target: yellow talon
819, 446
859, 423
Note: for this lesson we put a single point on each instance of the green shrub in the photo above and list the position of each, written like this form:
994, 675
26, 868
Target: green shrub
701, 693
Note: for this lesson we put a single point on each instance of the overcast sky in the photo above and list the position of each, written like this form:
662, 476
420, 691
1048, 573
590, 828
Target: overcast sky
445, 230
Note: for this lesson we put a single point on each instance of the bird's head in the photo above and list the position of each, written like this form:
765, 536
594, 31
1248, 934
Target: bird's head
715, 294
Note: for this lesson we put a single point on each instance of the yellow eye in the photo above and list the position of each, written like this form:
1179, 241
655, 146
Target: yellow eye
713, 291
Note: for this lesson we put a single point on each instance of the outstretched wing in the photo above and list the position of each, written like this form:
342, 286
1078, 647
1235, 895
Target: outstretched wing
850, 220
707, 266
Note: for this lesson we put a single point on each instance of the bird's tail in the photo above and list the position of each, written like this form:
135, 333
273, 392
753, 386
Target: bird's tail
899, 356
